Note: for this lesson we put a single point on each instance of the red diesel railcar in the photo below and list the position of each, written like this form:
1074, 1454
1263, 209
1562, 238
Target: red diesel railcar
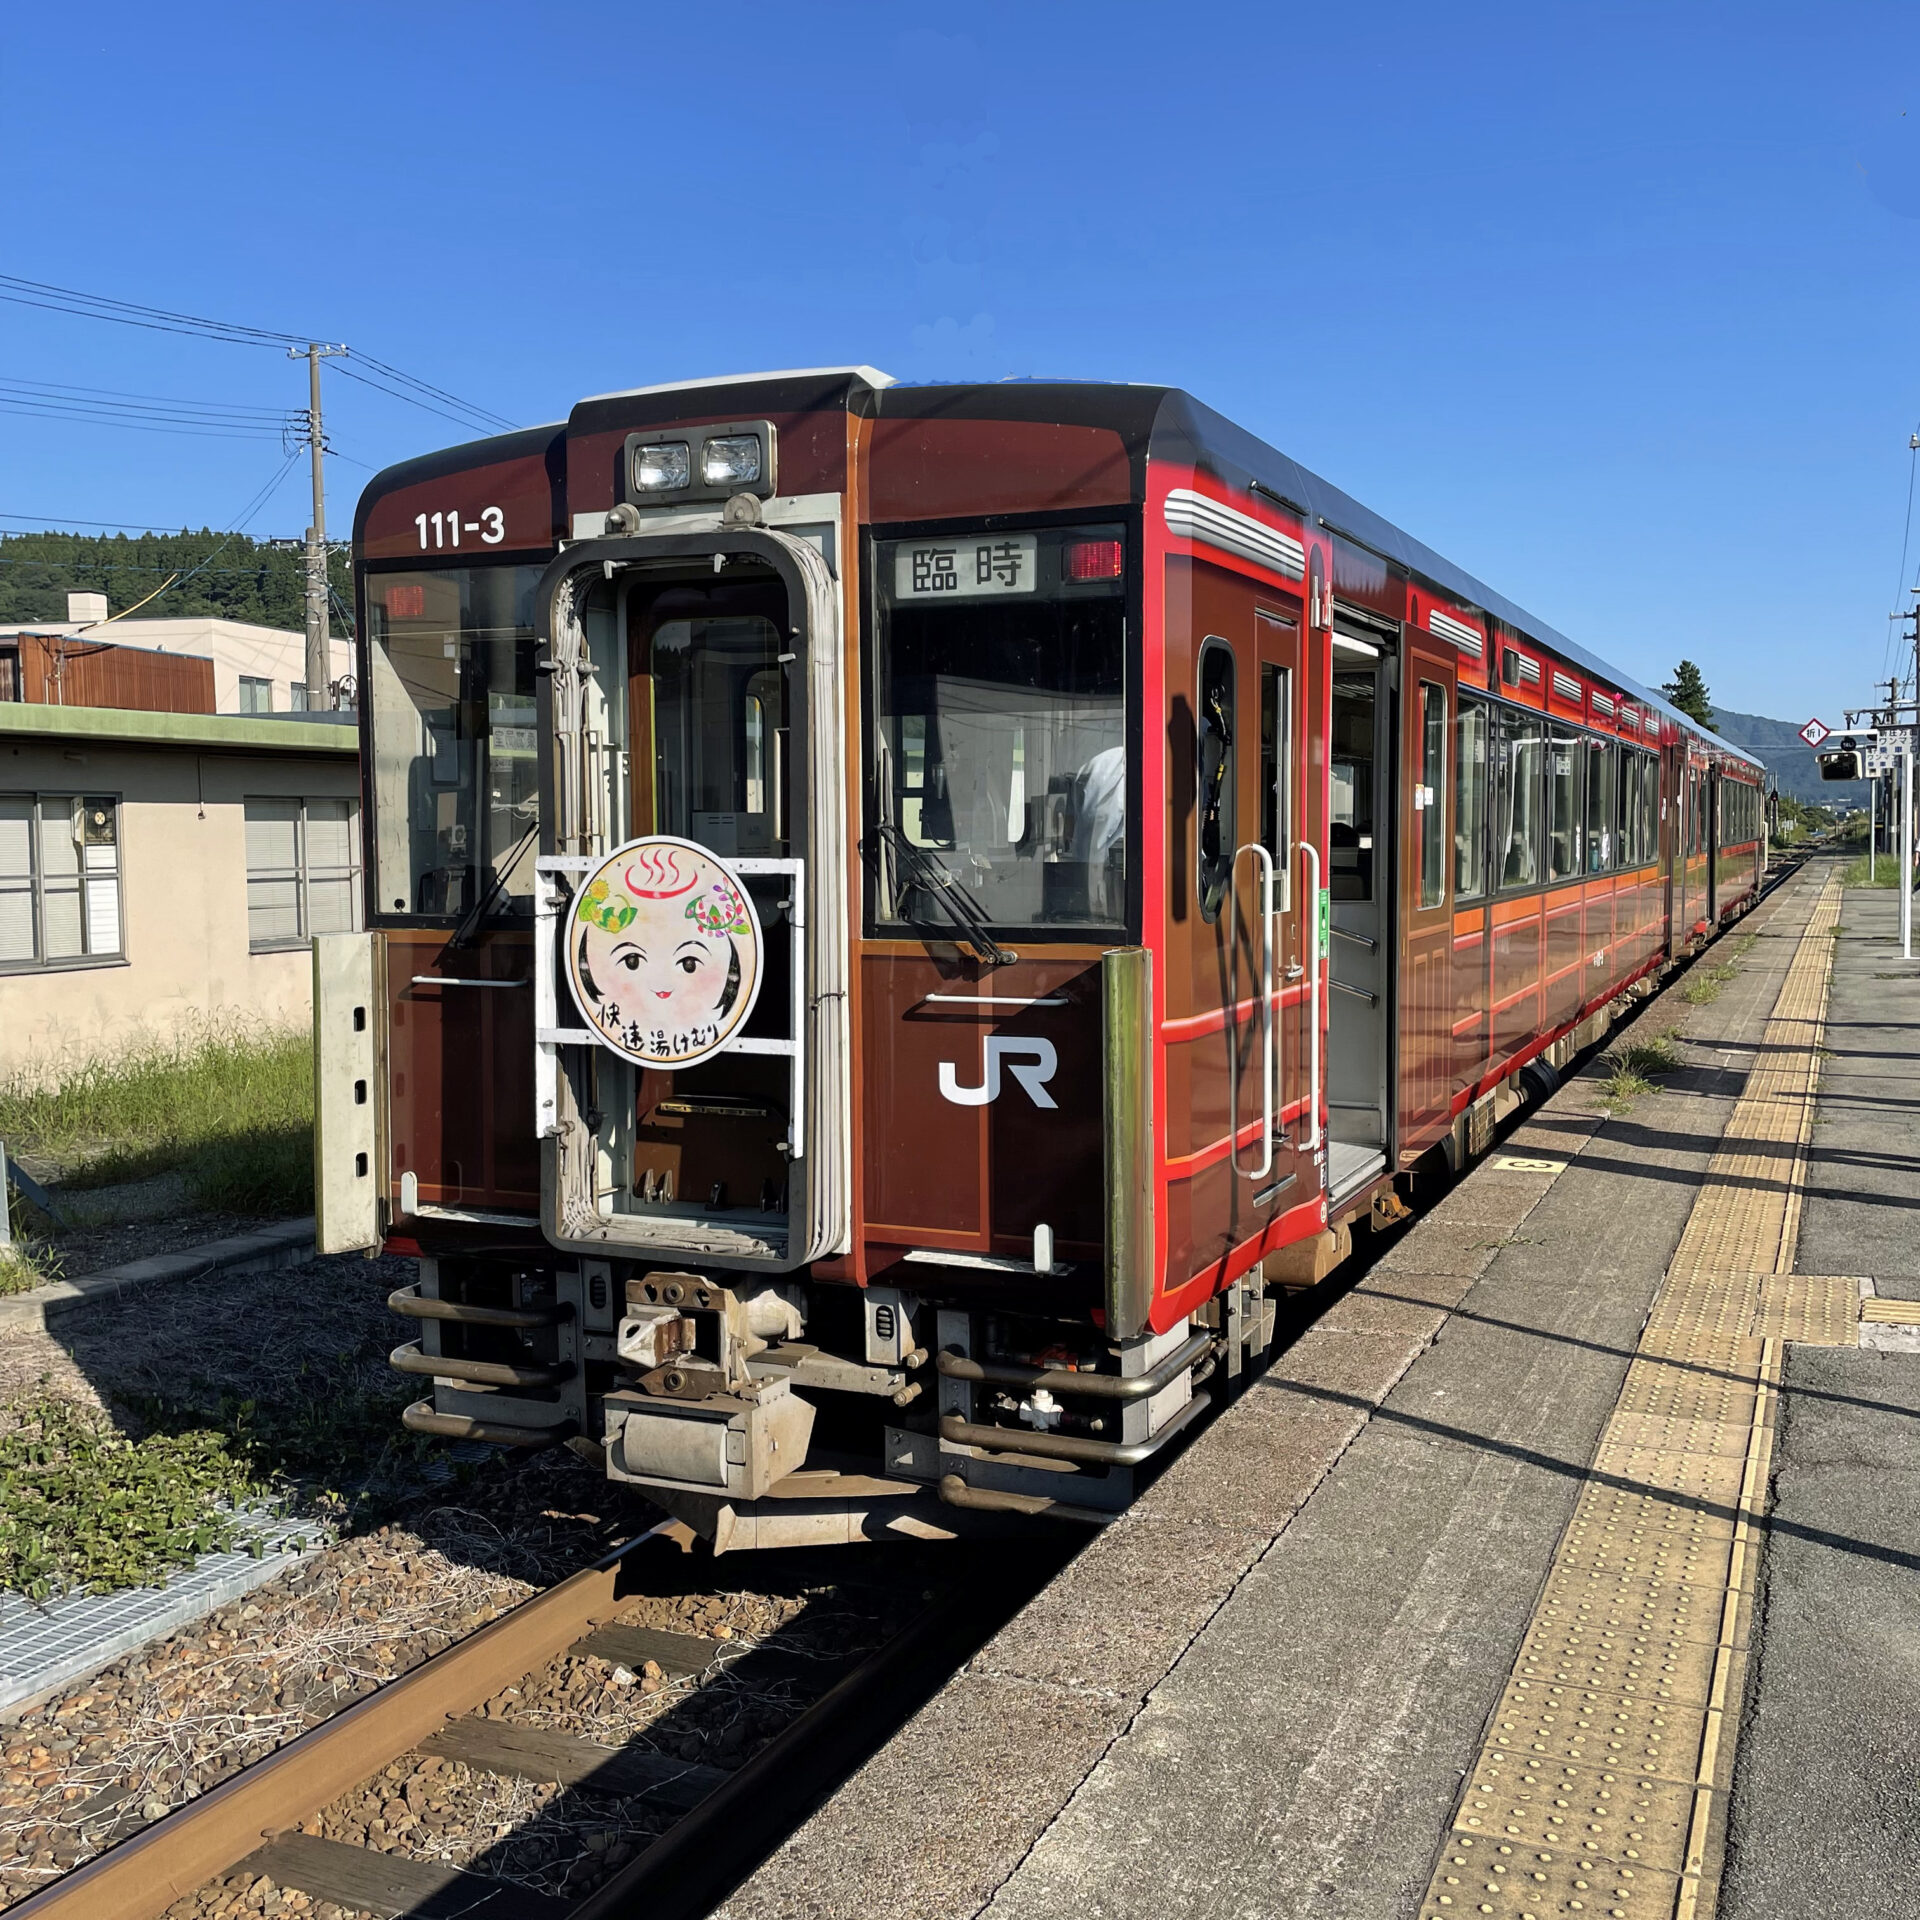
897, 913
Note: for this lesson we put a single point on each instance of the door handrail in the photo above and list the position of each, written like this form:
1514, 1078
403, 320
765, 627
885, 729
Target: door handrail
1312, 1142
1269, 1027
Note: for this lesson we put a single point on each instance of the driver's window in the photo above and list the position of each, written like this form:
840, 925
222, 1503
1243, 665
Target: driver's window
1214, 718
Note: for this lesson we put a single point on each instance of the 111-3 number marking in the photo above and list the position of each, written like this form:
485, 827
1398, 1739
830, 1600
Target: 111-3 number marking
447, 527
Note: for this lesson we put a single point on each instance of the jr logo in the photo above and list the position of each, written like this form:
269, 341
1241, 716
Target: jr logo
1031, 1062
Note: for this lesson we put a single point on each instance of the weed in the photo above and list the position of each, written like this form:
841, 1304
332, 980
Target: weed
27, 1264
1885, 871
1647, 1057
84, 1508
233, 1112
1701, 991
1620, 1090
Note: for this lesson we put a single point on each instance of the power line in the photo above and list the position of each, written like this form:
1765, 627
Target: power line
471, 418
146, 399
1913, 469
134, 422
438, 393
130, 313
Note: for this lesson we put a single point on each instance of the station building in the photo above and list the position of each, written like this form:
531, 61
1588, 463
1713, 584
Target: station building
160, 871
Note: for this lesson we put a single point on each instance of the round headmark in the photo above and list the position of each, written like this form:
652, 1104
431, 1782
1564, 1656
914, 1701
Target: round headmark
663, 952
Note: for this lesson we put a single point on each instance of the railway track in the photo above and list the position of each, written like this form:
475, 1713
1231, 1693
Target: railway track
704, 1826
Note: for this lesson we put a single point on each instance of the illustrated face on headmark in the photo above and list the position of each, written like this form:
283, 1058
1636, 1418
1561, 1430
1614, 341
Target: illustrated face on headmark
664, 956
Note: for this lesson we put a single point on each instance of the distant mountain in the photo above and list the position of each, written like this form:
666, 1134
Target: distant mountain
1777, 744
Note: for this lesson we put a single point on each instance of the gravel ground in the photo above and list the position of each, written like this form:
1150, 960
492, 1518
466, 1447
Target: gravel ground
435, 1542
565, 1842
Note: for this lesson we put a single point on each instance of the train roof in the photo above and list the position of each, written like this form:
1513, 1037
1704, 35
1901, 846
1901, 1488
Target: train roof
1154, 422
1169, 423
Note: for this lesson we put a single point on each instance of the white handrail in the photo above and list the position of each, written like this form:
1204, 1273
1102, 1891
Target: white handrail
1267, 1029
1312, 1141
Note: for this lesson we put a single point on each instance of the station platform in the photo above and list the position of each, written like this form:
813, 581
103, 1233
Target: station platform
1563, 1563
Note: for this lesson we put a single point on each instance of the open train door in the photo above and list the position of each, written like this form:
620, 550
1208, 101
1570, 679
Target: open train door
1428, 703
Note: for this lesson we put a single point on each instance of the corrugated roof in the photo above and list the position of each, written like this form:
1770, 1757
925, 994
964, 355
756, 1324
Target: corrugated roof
204, 732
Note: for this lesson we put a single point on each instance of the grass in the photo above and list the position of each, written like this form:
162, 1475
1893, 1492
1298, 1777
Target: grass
83, 1508
233, 1114
1631, 1069
1885, 871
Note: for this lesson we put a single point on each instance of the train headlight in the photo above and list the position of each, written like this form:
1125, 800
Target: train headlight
730, 460
665, 466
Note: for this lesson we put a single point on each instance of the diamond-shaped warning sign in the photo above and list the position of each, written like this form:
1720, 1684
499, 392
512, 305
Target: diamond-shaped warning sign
1814, 732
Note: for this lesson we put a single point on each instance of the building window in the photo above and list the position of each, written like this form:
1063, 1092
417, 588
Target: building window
256, 696
10, 688
303, 871
59, 880
299, 701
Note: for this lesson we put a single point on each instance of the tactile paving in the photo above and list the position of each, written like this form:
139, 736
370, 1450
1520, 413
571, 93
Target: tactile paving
1599, 1770
1515, 1801
1583, 1726
1891, 1313
1819, 1310
1518, 1882
1651, 1658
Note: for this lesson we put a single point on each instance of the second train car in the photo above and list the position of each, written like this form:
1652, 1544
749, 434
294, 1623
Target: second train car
895, 915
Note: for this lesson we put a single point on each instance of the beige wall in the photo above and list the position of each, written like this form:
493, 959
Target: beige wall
183, 892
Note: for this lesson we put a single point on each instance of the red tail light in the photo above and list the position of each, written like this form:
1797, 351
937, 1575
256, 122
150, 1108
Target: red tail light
1095, 560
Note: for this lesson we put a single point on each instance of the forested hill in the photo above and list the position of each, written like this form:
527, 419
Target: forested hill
1787, 757
232, 577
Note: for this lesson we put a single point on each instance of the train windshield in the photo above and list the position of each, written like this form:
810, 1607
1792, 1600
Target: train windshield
1000, 741
455, 791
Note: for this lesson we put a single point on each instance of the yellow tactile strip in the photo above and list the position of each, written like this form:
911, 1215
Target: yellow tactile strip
1597, 1783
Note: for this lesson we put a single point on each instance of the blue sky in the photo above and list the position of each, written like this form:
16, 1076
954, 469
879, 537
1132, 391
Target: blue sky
1619, 307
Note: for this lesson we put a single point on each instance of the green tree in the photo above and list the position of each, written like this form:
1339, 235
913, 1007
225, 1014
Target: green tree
1689, 693
228, 576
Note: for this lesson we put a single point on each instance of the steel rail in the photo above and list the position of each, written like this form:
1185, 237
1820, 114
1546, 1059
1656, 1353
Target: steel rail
695, 1861
143, 1876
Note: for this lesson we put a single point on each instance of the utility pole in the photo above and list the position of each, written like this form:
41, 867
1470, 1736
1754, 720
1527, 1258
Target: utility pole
319, 630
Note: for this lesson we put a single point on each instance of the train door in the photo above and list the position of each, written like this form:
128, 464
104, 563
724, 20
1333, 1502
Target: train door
1713, 845
1236, 701
712, 762
1360, 880
1424, 888
1263, 1097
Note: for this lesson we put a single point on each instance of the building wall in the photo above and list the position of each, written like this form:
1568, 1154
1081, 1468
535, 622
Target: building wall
235, 647
183, 891
54, 669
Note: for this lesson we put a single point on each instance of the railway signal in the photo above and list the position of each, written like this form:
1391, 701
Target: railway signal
1814, 732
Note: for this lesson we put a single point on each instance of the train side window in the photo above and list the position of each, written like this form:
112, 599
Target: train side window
1627, 771
1276, 777
1216, 768
1470, 802
1431, 800
1519, 823
1600, 852
1563, 806
1350, 773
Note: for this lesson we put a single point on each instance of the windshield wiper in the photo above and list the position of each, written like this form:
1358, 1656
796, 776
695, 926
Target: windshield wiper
470, 920
965, 915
